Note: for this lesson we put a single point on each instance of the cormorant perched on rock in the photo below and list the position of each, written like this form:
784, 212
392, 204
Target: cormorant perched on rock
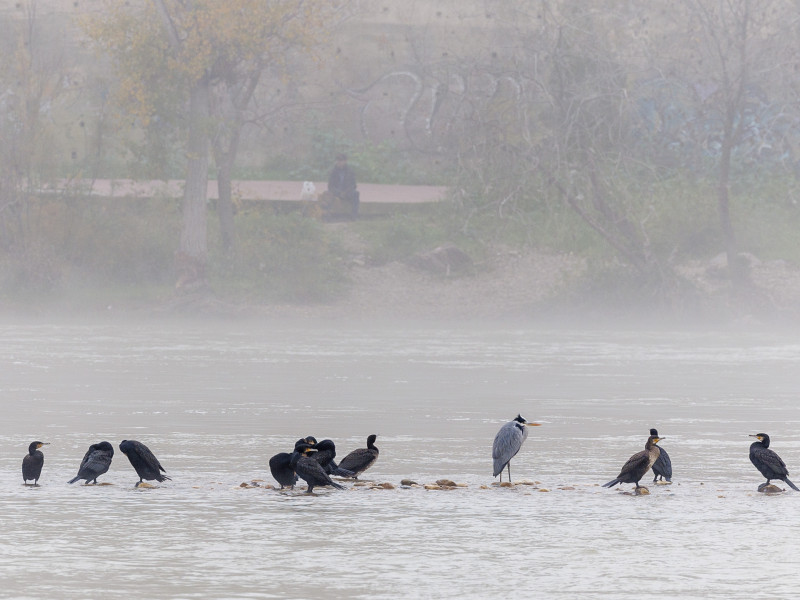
638, 464
768, 462
144, 461
324, 455
95, 462
32, 463
663, 465
280, 465
362, 459
507, 443
281, 468
309, 469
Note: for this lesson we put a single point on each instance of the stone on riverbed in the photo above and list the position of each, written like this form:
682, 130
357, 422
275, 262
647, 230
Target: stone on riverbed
770, 489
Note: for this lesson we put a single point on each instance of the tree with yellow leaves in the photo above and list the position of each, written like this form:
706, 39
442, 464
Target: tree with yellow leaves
171, 55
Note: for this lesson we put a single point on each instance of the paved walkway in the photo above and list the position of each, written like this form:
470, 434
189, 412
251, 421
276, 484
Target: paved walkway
257, 190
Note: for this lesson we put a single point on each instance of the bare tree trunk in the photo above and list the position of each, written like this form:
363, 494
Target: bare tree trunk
193, 255
224, 159
735, 269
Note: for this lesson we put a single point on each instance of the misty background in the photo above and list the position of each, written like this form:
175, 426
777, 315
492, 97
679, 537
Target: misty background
604, 157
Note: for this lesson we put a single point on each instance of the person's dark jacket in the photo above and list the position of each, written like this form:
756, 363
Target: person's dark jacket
342, 182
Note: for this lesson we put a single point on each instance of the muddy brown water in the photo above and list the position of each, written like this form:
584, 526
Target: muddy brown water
214, 402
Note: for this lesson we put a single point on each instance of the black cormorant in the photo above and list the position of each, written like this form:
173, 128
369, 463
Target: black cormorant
95, 462
768, 462
324, 455
280, 465
507, 443
638, 464
143, 460
663, 465
309, 469
361, 459
32, 463
281, 468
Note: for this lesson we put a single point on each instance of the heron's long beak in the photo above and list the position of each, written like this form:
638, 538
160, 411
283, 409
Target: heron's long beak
533, 424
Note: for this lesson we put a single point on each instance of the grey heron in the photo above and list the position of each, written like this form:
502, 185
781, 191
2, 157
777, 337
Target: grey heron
768, 462
638, 464
507, 443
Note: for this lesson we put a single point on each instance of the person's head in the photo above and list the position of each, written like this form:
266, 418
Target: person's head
341, 160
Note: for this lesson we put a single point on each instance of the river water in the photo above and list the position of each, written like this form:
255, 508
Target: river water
214, 402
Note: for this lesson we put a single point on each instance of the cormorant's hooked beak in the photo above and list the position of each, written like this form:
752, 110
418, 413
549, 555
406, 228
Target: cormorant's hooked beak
43, 444
658, 439
755, 435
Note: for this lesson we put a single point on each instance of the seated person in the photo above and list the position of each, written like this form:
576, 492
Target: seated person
342, 183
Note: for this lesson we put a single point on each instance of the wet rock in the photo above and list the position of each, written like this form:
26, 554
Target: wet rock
362, 484
408, 482
445, 483
543, 490
145, 485
567, 487
484, 487
525, 482
663, 482
444, 260
383, 486
432, 486
641, 491
770, 489
506, 484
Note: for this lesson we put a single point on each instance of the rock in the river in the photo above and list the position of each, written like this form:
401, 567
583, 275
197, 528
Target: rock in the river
408, 482
641, 491
770, 489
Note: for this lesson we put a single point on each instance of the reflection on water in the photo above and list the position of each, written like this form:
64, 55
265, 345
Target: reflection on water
215, 403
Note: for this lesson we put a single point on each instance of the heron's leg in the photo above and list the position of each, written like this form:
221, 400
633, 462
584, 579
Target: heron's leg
509, 471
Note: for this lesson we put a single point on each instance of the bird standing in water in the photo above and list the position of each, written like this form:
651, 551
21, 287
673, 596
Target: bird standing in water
308, 469
638, 464
33, 462
143, 460
768, 462
95, 462
507, 443
280, 465
663, 465
361, 459
324, 455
